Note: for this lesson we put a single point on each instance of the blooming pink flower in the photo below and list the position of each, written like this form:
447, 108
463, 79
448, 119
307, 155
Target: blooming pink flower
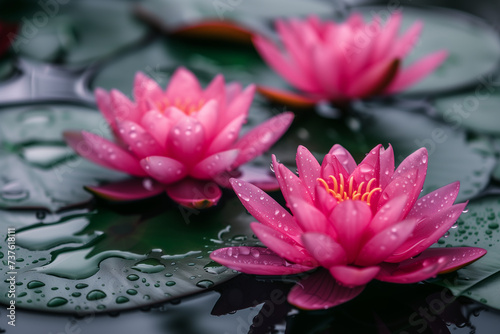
185, 138
358, 222
343, 61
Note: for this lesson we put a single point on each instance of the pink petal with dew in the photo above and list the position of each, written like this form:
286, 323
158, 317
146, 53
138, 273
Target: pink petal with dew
344, 157
183, 85
76, 141
427, 232
283, 245
238, 106
157, 125
216, 90
113, 155
389, 214
256, 261
233, 89
324, 249
225, 138
369, 168
186, 141
412, 172
383, 244
261, 138
324, 200
436, 201
321, 291
386, 166
332, 166
354, 276
308, 217
350, 219
255, 175
140, 142
195, 194
291, 185
417, 71
413, 271
145, 89
309, 169
124, 109
208, 115
213, 165
163, 169
283, 65
174, 114
104, 104
375, 79
265, 209
456, 257
128, 190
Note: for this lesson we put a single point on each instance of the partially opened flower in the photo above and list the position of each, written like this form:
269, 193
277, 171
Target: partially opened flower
340, 62
185, 138
357, 222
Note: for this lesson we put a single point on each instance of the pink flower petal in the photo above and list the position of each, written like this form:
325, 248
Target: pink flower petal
350, 219
413, 271
383, 244
408, 41
417, 71
225, 138
265, 209
208, 116
145, 89
434, 202
283, 245
256, 261
354, 276
213, 165
183, 84
324, 200
163, 169
216, 90
233, 89
344, 157
195, 194
138, 140
387, 38
157, 125
375, 80
291, 185
456, 257
324, 249
112, 155
124, 109
128, 190
261, 138
332, 166
308, 217
308, 168
321, 291
386, 166
427, 232
238, 106
369, 168
187, 140
104, 104
389, 214
76, 141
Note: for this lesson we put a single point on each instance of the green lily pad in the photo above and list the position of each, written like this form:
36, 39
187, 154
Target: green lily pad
78, 32
476, 110
39, 170
477, 227
102, 260
473, 46
451, 157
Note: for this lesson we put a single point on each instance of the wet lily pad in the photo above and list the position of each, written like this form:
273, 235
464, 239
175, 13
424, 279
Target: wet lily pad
38, 169
451, 157
103, 260
473, 46
478, 227
78, 32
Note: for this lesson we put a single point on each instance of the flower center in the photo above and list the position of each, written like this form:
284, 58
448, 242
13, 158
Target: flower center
187, 105
345, 190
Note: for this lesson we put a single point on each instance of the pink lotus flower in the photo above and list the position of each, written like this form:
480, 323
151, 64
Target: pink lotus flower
185, 138
357, 222
343, 61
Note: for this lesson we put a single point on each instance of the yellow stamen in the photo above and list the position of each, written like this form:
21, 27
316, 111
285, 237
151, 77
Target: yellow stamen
341, 192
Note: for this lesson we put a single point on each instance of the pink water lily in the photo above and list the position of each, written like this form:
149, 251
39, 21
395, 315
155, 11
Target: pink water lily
352, 223
184, 138
339, 62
